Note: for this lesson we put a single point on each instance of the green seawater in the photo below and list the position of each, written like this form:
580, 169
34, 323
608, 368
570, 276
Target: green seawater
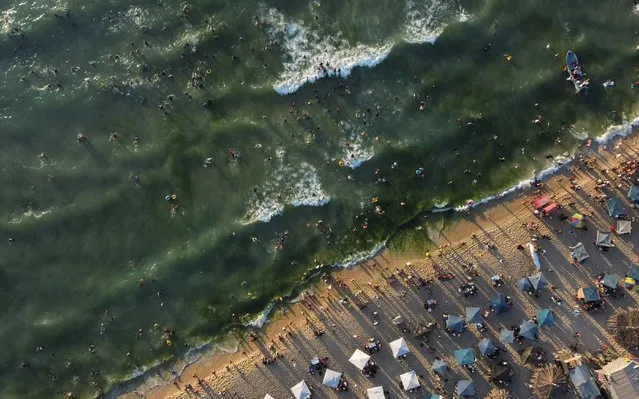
95, 263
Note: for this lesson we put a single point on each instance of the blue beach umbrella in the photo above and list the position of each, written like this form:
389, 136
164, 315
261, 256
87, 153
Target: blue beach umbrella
464, 356
506, 336
499, 304
473, 315
465, 388
455, 324
440, 367
524, 284
611, 280
528, 330
544, 318
537, 281
486, 347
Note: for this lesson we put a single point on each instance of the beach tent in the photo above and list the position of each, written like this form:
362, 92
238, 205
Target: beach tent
359, 359
622, 376
440, 367
473, 315
376, 393
399, 347
633, 272
409, 380
524, 284
528, 330
499, 304
332, 378
615, 207
486, 347
578, 221
506, 336
455, 324
537, 281
579, 252
584, 383
604, 239
465, 388
610, 280
624, 227
545, 318
633, 193
589, 294
301, 391
464, 356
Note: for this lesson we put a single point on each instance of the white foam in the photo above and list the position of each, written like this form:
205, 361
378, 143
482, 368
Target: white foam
423, 21
355, 150
362, 256
262, 318
618, 131
7, 17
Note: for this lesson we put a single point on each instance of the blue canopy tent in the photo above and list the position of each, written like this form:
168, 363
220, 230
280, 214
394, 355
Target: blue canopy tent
499, 304
610, 280
537, 281
589, 294
473, 315
545, 318
464, 356
486, 347
506, 336
465, 388
615, 207
528, 330
524, 284
440, 367
584, 383
455, 324
633, 193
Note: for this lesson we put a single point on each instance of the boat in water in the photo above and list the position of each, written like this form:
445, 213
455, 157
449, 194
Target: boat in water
575, 73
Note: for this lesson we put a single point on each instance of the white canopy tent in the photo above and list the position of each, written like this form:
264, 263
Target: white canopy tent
332, 378
409, 380
399, 347
359, 359
301, 391
604, 239
624, 227
579, 252
376, 393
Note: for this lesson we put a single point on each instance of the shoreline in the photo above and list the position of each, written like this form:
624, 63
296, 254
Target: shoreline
213, 358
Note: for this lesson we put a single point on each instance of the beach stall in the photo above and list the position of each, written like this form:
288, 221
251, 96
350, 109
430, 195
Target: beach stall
579, 252
376, 393
633, 193
624, 227
473, 315
583, 382
578, 221
589, 298
332, 378
487, 348
506, 336
499, 303
409, 381
440, 367
465, 388
609, 284
359, 359
455, 324
301, 391
528, 330
615, 208
465, 356
399, 348
545, 317
620, 378
604, 239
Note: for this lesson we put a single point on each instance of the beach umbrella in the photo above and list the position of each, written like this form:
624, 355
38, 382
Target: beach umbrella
579, 252
537, 281
625, 325
464, 356
624, 227
506, 336
629, 283
528, 330
301, 391
501, 372
332, 378
465, 388
589, 294
455, 324
546, 379
527, 354
440, 367
544, 317
498, 394
399, 347
473, 315
499, 304
615, 207
578, 221
267, 396
604, 239
359, 359
524, 284
610, 280
486, 347
409, 380
376, 393
633, 193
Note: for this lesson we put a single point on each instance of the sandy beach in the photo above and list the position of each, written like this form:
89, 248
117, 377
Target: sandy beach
327, 321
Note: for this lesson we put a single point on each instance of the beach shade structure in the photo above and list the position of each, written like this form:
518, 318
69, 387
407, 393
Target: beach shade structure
440, 367
583, 382
545, 318
615, 207
486, 347
301, 391
625, 325
498, 394
633, 193
409, 380
399, 347
499, 304
465, 356
547, 379
610, 280
604, 239
506, 336
528, 330
579, 252
359, 359
537, 281
624, 227
473, 315
578, 221
524, 284
465, 388
589, 294
455, 324
332, 378
376, 393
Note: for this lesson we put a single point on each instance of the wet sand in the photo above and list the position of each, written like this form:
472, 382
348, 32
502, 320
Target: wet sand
290, 335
